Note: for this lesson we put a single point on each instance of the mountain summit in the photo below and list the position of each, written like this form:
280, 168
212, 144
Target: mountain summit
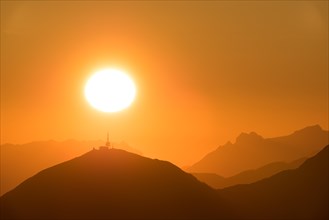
252, 137
21, 161
112, 184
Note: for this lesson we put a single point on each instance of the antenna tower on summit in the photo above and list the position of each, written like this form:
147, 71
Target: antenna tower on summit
108, 144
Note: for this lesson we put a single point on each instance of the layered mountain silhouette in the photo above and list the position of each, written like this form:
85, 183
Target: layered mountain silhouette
19, 162
293, 194
113, 184
251, 151
249, 176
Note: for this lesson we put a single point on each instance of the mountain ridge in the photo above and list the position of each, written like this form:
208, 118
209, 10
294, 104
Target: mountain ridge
248, 176
251, 151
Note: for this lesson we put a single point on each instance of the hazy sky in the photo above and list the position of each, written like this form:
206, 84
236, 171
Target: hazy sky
205, 71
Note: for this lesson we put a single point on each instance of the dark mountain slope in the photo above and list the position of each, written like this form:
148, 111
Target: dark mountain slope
294, 194
211, 179
112, 184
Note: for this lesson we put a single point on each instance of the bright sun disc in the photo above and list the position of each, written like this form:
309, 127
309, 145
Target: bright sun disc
110, 90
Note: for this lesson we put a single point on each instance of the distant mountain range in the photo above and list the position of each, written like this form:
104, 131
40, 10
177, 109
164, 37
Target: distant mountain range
113, 184
252, 151
19, 162
249, 176
293, 194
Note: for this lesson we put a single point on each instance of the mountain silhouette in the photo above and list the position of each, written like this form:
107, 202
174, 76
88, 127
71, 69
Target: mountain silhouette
248, 176
251, 151
19, 162
293, 194
113, 184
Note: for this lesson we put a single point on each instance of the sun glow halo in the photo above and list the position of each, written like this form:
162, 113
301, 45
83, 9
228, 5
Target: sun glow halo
110, 90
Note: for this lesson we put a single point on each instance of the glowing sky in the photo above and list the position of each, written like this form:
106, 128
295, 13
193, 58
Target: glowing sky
205, 71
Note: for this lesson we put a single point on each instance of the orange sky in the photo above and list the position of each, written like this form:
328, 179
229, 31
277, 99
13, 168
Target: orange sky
205, 71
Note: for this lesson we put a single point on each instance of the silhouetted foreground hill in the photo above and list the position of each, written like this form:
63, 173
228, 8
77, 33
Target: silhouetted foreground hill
19, 162
248, 176
294, 194
113, 184
251, 151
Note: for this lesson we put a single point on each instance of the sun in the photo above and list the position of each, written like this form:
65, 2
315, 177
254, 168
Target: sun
110, 90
